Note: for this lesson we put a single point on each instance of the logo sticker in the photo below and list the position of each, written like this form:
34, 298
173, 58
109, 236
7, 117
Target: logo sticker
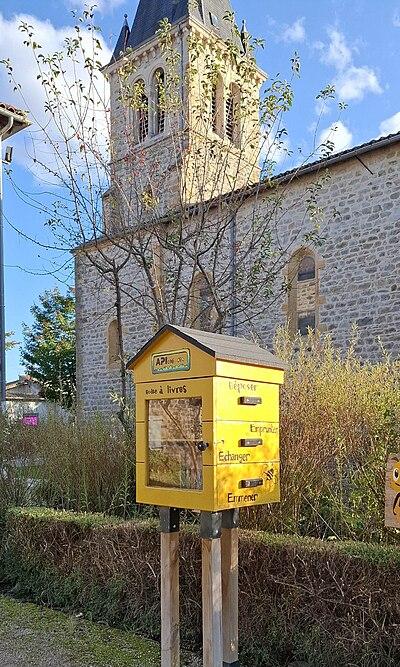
170, 362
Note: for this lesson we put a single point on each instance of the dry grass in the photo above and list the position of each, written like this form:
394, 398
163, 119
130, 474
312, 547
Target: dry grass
81, 465
340, 418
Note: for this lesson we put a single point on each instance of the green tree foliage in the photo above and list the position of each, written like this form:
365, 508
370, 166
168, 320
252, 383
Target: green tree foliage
49, 346
10, 344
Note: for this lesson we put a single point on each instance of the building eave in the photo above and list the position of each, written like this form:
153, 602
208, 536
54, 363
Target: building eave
338, 158
280, 179
12, 120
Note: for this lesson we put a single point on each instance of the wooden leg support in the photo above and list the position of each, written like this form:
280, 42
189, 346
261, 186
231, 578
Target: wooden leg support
230, 588
211, 525
170, 638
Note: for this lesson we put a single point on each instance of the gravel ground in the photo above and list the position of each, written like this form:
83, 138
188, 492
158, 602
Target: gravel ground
32, 636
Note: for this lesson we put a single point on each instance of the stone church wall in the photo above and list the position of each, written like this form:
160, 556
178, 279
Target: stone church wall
358, 273
97, 376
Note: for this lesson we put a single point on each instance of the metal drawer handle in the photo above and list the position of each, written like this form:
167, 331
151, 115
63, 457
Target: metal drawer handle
250, 400
247, 442
250, 483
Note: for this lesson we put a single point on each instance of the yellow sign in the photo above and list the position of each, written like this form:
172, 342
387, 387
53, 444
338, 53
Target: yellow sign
170, 362
207, 431
392, 496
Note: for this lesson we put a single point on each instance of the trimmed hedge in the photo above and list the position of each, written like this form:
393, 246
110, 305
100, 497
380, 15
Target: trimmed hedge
326, 603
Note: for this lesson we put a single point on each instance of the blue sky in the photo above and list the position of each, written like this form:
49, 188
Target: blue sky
351, 43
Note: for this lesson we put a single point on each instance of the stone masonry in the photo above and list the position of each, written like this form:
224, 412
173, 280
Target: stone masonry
358, 284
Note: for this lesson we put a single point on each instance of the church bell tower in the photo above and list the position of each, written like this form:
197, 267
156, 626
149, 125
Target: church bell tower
184, 107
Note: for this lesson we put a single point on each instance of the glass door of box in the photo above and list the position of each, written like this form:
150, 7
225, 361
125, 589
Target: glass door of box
175, 433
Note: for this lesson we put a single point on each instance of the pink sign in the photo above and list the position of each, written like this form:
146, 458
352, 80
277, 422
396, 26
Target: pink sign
30, 420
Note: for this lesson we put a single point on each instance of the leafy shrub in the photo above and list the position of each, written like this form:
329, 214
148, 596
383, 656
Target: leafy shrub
325, 603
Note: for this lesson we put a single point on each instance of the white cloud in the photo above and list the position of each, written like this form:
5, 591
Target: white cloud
337, 53
396, 19
355, 82
318, 46
32, 96
102, 6
295, 32
338, 135
390, 125
351, 82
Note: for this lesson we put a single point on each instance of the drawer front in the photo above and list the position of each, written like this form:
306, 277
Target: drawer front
248, 485
241, 400
208, 456
245, 442
226, 443
202, 499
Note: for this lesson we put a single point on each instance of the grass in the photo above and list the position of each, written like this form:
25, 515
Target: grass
45, 630
37, 634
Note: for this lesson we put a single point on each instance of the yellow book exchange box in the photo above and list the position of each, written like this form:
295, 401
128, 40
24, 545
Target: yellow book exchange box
207, 411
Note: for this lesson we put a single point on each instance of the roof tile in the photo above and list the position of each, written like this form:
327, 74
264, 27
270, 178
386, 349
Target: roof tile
150, 13
226, 348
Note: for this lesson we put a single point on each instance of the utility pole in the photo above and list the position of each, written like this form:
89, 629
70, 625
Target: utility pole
11, 121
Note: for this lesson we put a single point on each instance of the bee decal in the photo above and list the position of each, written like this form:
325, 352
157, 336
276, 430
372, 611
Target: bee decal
394, 482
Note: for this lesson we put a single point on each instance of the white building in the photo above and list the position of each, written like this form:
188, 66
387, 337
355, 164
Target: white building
24, 399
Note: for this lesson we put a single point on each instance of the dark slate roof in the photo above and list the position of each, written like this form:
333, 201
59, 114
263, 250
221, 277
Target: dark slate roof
337, 158
122, 40
150, 12
225, 348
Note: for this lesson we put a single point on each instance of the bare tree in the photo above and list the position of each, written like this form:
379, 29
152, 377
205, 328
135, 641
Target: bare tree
187, 234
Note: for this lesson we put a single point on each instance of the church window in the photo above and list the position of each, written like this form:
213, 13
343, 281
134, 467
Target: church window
214, 20
305, 322
306, 269
141, 106
143, 120
303, 292
214, 107
230, 118
159, 101
202, 303
232, 109
113, 342
200, 6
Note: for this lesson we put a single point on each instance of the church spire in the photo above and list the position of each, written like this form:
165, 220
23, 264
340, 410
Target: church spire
245, 38
122, 40
150, 12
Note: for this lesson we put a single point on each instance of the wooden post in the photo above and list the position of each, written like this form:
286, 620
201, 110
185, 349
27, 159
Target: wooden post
211, 526
170, 636
230, 588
